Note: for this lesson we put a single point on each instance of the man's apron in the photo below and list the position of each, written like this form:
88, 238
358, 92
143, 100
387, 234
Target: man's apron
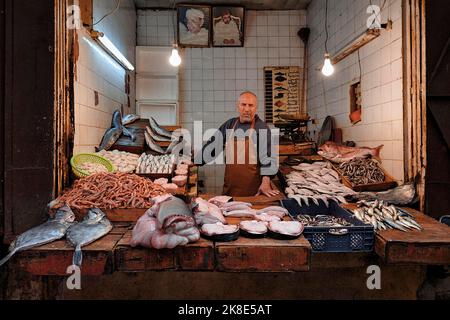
242, 179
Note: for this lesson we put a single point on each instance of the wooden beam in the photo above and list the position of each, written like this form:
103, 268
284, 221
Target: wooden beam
361, 41
87, 12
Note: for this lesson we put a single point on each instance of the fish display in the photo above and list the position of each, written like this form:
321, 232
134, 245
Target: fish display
339, 153
94, 226
322, 221
285, 229
52, 230
314, 182
362, 171
152, 144
157, 137
385, 217
156, 128
148, 163
168, 224
253, 228
129, 119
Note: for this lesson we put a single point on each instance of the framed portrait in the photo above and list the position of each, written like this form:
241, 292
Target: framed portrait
228, 26
194, 25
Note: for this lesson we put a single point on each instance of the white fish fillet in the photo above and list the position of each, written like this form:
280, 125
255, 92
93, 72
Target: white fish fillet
219, 228
253, 226
292, 228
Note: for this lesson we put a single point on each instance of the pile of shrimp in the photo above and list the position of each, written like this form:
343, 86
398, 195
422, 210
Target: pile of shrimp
110, 191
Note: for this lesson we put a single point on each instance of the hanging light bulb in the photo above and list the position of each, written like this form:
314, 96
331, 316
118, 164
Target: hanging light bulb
327, 69
175, 59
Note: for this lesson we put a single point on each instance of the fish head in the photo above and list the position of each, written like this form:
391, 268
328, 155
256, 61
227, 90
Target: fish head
65, 214
94, 215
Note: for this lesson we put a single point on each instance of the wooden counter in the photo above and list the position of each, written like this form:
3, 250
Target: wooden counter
431, 246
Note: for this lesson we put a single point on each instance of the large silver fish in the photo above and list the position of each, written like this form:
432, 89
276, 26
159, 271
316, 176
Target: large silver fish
402, 195
128, 133
111, 136
152, 144
157, 137
94, 226
158, 129
129, 119
52, 230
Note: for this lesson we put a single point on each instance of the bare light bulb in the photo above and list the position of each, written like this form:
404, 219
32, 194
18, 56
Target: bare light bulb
175, 59
327, 69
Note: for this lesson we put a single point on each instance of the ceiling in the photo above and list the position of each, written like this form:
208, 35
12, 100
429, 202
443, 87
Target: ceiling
248, 4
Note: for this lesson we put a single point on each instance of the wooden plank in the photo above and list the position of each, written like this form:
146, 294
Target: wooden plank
263, 255
361, 41
115, 215
198, 256
54, 258
332, 260
431, 246
304, 149
131, 259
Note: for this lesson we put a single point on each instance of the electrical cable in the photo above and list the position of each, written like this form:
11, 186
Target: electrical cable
326, 26
108, 14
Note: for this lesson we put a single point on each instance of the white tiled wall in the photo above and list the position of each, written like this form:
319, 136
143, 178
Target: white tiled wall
213, 78
381, 64
96, 71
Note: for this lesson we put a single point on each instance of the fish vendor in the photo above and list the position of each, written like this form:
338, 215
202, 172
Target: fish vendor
251, 162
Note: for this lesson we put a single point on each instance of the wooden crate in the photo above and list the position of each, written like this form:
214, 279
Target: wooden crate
388, 183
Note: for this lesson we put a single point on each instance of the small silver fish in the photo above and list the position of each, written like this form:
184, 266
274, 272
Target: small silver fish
52, 230
94, 226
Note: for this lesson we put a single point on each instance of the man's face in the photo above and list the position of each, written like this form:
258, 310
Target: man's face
247, 106
226, 18
195, 24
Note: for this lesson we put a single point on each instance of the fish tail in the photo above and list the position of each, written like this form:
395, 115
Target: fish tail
377, 152
5, 259
77, 256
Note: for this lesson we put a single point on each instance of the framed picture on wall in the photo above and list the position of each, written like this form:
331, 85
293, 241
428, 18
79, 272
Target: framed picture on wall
194, 25
228, 26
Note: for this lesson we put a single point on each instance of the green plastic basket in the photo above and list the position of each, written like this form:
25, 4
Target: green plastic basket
88, 157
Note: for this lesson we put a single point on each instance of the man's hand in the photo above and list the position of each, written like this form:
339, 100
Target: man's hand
266, 188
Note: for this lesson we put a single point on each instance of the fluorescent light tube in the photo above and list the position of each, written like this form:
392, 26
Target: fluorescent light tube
112, 50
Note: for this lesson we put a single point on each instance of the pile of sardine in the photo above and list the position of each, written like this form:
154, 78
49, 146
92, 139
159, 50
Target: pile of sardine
384, 217
322, 221
317, 181
148, 163
362, 171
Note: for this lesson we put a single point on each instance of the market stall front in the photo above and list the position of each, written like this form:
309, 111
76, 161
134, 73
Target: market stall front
343, 202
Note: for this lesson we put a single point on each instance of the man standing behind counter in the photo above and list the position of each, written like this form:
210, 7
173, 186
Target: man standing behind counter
250, 164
